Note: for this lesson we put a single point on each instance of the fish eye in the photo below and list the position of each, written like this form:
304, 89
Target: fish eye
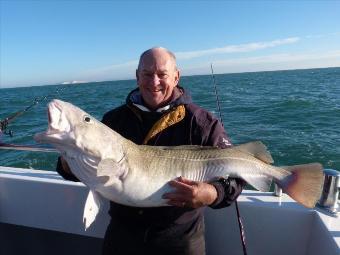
87, 118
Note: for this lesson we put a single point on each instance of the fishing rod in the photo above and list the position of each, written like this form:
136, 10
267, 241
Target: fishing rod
5, 122
10, 146
239, 218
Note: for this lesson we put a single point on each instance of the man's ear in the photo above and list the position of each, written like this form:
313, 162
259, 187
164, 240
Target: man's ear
137, 75
178, 75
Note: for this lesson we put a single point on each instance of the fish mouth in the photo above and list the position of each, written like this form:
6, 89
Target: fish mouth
57, 123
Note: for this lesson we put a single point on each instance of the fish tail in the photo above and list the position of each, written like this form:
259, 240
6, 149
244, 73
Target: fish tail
304, 184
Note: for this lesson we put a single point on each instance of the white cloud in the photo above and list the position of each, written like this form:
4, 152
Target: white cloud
236, 48
117, 72
127, 70
129, 64
267, 63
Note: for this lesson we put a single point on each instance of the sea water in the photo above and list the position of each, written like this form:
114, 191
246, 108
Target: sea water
295, 113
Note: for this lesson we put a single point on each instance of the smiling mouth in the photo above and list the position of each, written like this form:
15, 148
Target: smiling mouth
155, 90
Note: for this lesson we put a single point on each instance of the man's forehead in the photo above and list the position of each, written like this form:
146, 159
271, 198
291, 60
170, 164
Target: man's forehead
157, 64
151, 68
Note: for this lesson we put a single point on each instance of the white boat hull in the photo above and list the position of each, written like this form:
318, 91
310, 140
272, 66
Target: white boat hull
40, 212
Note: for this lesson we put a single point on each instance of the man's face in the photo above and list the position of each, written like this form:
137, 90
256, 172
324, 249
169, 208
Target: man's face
157, 77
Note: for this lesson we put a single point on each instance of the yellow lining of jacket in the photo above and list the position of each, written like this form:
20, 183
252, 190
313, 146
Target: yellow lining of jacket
166, 121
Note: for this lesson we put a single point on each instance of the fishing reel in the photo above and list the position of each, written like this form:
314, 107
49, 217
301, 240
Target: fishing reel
4, 126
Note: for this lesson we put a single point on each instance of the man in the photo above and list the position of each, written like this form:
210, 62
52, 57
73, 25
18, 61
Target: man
161, 113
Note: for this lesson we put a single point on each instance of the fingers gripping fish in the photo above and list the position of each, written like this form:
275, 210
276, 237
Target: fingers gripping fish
137, 175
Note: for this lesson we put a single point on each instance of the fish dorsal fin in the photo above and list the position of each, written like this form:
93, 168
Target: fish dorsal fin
257, 149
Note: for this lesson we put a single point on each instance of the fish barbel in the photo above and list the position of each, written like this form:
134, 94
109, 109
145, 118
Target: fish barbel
138, 175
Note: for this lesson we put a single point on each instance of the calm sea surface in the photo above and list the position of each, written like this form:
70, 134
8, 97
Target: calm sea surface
295, 113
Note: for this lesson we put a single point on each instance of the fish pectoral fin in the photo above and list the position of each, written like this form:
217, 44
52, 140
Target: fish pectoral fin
108, 168
103, 179
91, 208
105, 167
257, 149
261, 183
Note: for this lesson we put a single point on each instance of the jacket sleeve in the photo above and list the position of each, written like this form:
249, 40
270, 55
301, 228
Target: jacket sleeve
228, 189
67, 176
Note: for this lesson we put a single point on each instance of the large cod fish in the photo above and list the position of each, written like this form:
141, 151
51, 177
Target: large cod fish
137, 175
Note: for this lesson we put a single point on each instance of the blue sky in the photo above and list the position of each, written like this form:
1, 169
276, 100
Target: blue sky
50, 42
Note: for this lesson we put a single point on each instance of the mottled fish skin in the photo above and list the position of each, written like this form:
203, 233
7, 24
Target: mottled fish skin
137, 175
146, 181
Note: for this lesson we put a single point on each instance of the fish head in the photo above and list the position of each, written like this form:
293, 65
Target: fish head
72, 130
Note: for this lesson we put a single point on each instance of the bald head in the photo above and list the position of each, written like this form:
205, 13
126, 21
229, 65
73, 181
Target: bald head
156, 52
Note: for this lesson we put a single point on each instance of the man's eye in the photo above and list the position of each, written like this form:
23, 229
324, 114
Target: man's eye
163, 76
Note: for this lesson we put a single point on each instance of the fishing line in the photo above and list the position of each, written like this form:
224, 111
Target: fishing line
216, 94
239, 218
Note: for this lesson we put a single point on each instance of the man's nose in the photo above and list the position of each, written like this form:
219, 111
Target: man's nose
155, 79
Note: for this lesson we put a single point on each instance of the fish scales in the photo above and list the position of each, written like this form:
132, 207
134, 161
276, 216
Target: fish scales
204, 164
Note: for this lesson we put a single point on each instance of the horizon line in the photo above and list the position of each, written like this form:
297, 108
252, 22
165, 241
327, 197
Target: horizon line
69, 83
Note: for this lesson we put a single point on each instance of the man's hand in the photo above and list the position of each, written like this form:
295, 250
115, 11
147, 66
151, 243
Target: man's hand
190, 193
